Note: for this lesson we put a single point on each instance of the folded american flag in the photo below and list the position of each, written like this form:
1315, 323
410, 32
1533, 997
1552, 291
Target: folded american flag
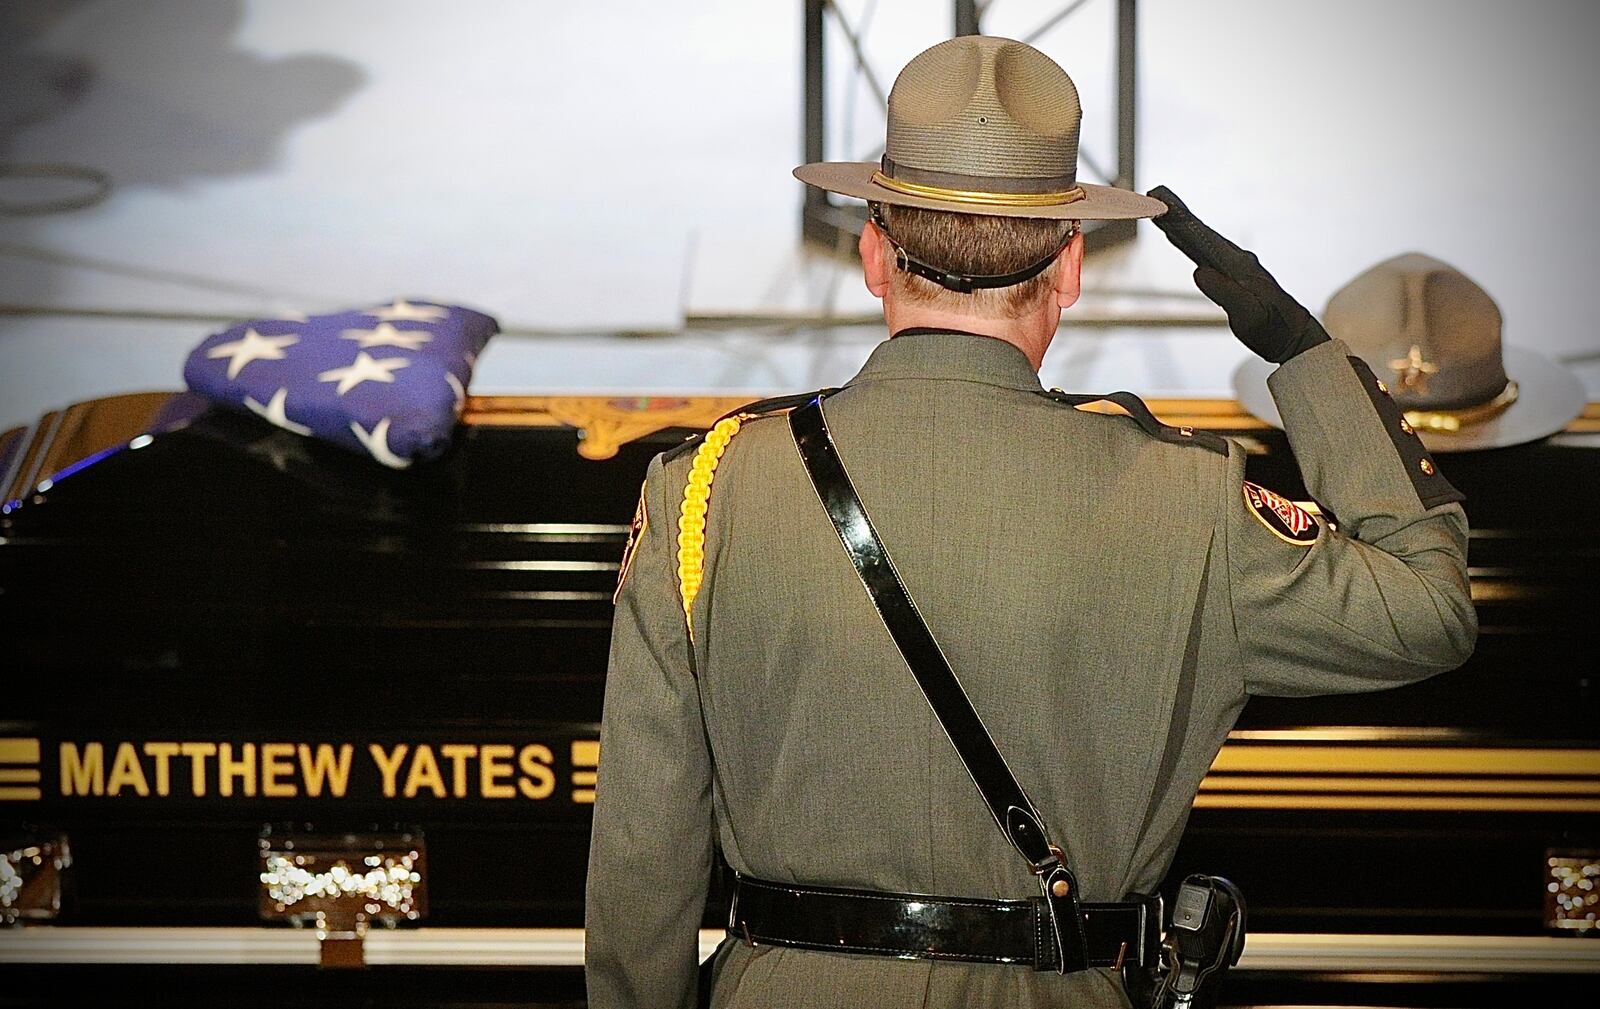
387, 381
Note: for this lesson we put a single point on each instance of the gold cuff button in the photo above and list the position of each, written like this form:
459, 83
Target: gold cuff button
1382, 388
1405, 425
1427, 466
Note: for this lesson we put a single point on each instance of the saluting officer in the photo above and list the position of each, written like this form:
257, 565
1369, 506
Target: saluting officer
1108, 589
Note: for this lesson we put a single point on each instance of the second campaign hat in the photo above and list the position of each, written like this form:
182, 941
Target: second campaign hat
1432, 336
982, 125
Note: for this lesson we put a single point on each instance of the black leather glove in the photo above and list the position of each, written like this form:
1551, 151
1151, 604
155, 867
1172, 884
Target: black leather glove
1260, 313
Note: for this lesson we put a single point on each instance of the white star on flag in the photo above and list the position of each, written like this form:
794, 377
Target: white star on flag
404, 311
253, 347
385, 335
274, 411
377, 442
364, 369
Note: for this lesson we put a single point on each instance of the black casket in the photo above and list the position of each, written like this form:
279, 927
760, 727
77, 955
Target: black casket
244, 670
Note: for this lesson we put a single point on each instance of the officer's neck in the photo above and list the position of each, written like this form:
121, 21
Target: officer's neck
1030, 333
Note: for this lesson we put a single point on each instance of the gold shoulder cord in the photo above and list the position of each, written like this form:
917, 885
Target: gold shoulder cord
692, 513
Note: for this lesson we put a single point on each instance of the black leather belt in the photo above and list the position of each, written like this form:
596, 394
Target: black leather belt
918, 926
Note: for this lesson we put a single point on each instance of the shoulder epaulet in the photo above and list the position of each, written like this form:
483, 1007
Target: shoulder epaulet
1147, 421
750, 411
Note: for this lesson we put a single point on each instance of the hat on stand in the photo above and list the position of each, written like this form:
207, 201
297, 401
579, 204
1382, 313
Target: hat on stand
1432, 336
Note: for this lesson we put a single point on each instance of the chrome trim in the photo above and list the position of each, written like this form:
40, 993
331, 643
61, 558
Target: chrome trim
563, 947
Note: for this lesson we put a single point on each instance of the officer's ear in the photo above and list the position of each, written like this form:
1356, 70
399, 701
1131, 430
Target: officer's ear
1069, 271
875, 267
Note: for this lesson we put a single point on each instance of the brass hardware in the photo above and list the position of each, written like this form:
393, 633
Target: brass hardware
1122, 953
1572, 882
341, 884
1426, 466
1051, 199
1413, 371
1405, 426
745, 928
1383, 388
32, 878
1060, 888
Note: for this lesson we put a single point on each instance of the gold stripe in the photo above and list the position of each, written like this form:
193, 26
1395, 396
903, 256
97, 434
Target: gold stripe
1437, 786
18, 776
16, 794
586, 752
583, 795
1451, 421
1409, 759
19, 751
1552, 804
584, 778
978, 196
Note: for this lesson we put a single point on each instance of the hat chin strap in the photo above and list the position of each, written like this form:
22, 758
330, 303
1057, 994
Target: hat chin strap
962, 283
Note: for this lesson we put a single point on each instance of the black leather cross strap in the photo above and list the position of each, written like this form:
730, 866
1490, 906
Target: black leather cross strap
937, 928
1013, 811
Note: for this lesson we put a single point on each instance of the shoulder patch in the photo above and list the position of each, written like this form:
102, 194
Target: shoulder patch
1282, 517
641, 522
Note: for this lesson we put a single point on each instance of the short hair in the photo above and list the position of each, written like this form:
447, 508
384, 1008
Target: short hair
975, 244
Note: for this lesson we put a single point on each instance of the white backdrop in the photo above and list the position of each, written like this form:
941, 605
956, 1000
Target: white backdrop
581, 168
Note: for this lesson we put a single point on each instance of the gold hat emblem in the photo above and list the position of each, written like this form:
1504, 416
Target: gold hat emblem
1412, 371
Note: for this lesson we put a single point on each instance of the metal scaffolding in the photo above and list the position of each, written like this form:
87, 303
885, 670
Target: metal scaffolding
837, 225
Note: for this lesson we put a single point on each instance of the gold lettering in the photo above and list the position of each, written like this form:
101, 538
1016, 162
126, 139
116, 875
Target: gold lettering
388, 766
197, 754
494, 763
126, 772
424, 771
83, 773
323, 766
458, 754
244, 769
276, 761
163, 753
535, 762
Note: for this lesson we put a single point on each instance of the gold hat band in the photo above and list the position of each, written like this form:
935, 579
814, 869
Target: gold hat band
1054, 199
1451, 421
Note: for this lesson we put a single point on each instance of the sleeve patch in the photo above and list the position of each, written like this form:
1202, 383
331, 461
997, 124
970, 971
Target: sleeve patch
1282, 517
641, 521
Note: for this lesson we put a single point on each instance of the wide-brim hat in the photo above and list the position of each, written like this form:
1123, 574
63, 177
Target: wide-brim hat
1433, 336
982, 125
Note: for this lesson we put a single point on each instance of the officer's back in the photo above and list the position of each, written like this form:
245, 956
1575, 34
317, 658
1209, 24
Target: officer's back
1107, 589
1057, 555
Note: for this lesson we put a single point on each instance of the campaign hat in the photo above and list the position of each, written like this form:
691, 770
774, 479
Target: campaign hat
982, 125
1432, 335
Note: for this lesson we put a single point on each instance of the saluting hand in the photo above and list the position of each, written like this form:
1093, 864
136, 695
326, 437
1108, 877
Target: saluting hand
1261, 314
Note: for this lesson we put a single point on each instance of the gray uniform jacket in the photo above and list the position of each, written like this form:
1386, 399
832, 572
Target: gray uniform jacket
1108, 599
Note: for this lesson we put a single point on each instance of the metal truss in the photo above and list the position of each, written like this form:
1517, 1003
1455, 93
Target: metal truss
837, 226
